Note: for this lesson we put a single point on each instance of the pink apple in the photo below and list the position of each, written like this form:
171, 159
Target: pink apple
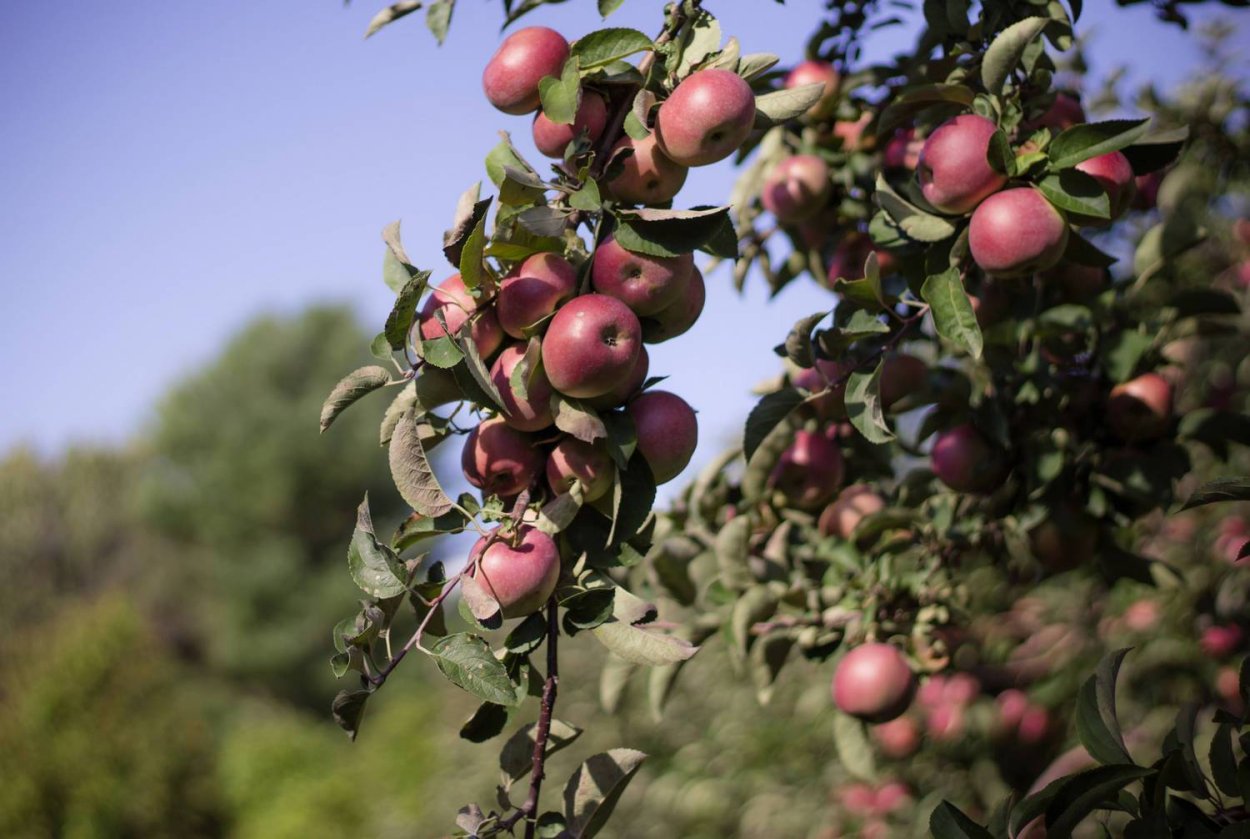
667, 432
1063, 113
811, 72
706, 118
551, 138
647, 176
852, 505
955, 175
533, 413
874, 683
1115, 176
499, 460
1016, 232
520, 570
797, 188
677, 317
1221, 641
647, 284
1140, 409
574, 460
628, 387
966, 462
809, 471
591, 346
898, 739
511, 77
533, 291
902, 375
457, 305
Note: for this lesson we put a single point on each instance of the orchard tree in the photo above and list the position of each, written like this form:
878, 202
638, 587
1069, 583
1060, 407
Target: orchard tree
951, 474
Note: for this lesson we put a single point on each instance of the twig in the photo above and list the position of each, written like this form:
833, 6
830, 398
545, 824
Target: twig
415, 640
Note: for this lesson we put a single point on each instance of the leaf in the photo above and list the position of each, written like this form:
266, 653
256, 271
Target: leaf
467, 662
1083, 252
786, 104
1096, 722
854, 750
593, 790
558, 513
374, 567
914, 99
487, 721
1006, 50
1156, 150
1221, 489
949, 822
999, 154
516, 759
601, 48
607, 7
1076, 192
654, 232
404, 310
700, 39
798, 344
753, 65
1082, 794
469, 212
411, 471
544, 221
733, 553
863, 405
350, 388
952, 311
914, 222
471, 249
475, 367
641, 645
391, 14
560, 96
575, 418
438, 18
504, 156
1081, 142
396, 269
482, 604
633, 495
348, 708
765, 416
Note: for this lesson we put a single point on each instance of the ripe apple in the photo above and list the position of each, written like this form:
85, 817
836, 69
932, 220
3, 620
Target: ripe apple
1115, 176
898, 739
591, 346
677, 317
621, 394
1067, 539
1141, 408
1034, 725
1146, 191
1011, 705
533, 413
647, 284
1063, 113
811, 72
500, 460
891, 797
874, 683
851, 133
511, 77
520, 570
551, 138
457, 305
796, 188
830, 405
966, 462
1016, 232
809, 471
858, 798
901, 376
667, 431
955, 175
1142, 616
854, 503
647, 176
574, 460
706, 118
1221, 641
903, 150
533, 291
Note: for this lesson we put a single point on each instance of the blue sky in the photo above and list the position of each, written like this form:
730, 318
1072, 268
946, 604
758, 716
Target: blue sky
168, 170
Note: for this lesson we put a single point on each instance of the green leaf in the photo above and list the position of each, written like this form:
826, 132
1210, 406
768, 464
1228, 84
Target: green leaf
560, 96
442, 352
391, 14
999, 154
1219, 490
466, 660
575, 418
411, 471
471, 253
475, 367
633, 495
1081, 142
862, 324
396, 269
753, 65
917, 98
786, 104
1122, 352
487, 721
505, 156
469, 212
640, 645
601, 48
1086, 792
732, 546
558, 513
1156, 150
438, 18
764, 417
404, 311
863, 405
349, 389
373, 566
1076, 192
654, 232
854, 750
592, 792
1004, 53
914, 222
607, 7
1096, 722
517, 757
700, 39
587, 198
348, 708
952, 312
949, 822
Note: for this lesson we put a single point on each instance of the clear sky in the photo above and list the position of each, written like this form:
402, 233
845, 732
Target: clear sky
169, 169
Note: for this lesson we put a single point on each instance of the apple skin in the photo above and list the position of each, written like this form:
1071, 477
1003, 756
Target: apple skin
1016, 232
647, 176
707, 117
966, 462
954, 174
1115, 176
622, 393
1140, 409
1221, 641
1146, 191
851, 506
533, 291
521, 577
532, 413
511, 77
647, 284
809, 472
832, 404
591, 346
677, 317
903, 150
500, 460
898, 739
668, 432
873, 682
1067, 539
901, 376
551, 138
811, 72
457, 305
574, 460
797, 188
1063, 113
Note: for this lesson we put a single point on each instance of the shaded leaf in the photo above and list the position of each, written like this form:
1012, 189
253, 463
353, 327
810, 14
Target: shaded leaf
863, 405
593, 790
410, 469
516, 758
1005, 51
1221, 489
1081, 142
952, 311
349, 389
374, 567
767, 413
392, 13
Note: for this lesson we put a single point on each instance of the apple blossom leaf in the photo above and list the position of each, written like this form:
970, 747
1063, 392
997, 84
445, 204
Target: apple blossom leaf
1097, 725
593, 790
1080, 795
516, 759
783, 105
438, 18
914, 99
1219, 490
1076, 192
392, 13
404, 311
348, 709
574, 417
561, 96
863, 406
487, 721
467, 662
1156, 150
1081, 142
952, 311
753, 65
949, 822
914, 222
350, 388
764, 417
656, 232
1005, 51
374, 567
411, 471
601, 48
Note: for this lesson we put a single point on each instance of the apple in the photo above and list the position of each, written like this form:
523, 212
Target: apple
946, 723
511, 77
966, 462
854, 503
1234, 535
796, 188
1140, 409
898, 739
1011, 705
500, 460
901, 376
811, 72
533, 413
591, 346
955, 175
851, 133
533, 291
520, 570
809, 471
677, 317
1067, 539
831, 405
1063, 113
1034, 725
850, 255
1146, 190
457, 305
574, 460
551, 138
903, 150
667, 432
1016, 232
706, 118
621, 394
1221, 641
1114, 174
1076, 282
1142, 616
647, 176
858, 798
647, 284
874, 683
891, 797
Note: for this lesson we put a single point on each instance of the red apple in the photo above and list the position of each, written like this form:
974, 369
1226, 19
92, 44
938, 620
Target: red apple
520, 570
874, 683
891, 797
591, 346
533, 291
1221, 641
946, 723
830, 405
499, 460
955, 175
809, 471
1141, 616
858, 798
1076, 282
511, 77
574, 460
1016, 232
1146, 191
898, 739
647, 284
706, 118
1034, 725
966, 462
533, 413
1063, 113
1011, 706
1140, 409
551, 138
621, 394
647, 176
903, 150
1115, 176
1067, 539
677, 317
811, 72
902, 375
796, 188
854, 503
667, 431
457, 305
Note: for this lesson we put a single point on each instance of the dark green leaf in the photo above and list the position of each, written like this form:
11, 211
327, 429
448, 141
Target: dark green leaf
469, 213
952, 311
593, 790
466, 660
1086, 792
863, 406
411, 471
399, 321
373, 566
560, 96
949, 822
601, 48
764, 417
348, 708
487, 721
350, 388
1081, 142
668, 232
1155, 151
1076, 192
516, 758
1221, 489
1096, 722
1005, 51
